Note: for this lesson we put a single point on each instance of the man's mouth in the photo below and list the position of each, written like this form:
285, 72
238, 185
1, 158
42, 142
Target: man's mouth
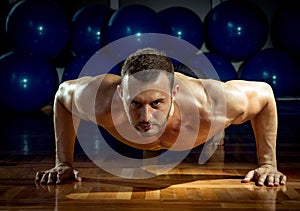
144, 126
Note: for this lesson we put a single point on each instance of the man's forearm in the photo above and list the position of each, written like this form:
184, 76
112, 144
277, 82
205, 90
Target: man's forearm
265, 130
266, 153
65, 126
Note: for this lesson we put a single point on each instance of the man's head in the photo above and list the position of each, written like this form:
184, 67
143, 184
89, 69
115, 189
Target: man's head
143, 61
147, 90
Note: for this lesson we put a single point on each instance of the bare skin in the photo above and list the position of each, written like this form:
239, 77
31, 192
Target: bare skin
244, 100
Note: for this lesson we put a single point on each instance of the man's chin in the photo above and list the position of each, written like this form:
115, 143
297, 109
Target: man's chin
148, 133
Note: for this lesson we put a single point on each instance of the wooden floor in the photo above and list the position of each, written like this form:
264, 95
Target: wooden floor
27, 146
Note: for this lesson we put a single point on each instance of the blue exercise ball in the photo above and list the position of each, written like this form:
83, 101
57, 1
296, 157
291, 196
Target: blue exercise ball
223, 66
38, 27
285, 29
183, 23
276, 68
73, 69
236, 29
87, 26
27, 82
132, 19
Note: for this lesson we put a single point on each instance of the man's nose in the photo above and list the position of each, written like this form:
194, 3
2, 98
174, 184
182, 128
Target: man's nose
146, 113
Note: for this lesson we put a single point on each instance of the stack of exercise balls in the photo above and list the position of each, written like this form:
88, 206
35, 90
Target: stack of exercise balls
234, 35
39, 31
237, 31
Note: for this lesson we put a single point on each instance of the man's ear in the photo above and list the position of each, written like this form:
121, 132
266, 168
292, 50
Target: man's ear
120, 91
175, 90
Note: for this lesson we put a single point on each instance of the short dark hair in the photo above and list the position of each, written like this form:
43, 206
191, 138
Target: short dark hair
150, 63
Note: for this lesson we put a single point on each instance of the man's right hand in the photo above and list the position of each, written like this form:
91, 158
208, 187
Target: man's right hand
57, 175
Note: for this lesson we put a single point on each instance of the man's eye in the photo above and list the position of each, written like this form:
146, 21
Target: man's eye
135, 103
155, 103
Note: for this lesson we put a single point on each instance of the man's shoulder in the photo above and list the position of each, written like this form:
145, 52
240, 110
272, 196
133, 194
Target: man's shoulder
184, 77
82, 92
105, 80
109, 79
81, 88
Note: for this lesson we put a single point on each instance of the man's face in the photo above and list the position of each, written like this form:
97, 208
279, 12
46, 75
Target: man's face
147, 104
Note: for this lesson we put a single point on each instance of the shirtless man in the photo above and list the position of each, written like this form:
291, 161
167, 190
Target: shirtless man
146, 102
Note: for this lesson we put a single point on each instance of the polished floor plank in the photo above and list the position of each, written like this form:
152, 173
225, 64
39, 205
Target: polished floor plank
27, 146
187, 187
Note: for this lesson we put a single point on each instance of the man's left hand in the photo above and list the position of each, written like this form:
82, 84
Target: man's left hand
266, 174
